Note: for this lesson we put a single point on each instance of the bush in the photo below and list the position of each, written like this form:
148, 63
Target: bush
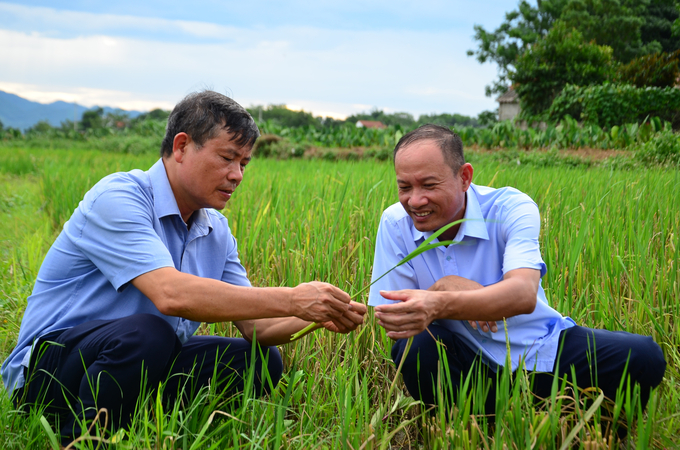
662, 149
615, 104
659, 70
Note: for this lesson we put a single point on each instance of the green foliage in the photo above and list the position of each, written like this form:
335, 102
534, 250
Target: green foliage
484, 118
521, 28
614, 23
43, 127
562, 57
660, 17
630, 27
663, 149
487, 118
402, 119
281, 115
92, 119
657, 70
614, 104
158, 115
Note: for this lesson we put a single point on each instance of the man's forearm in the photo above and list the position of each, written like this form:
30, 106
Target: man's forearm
507, 298
201, 299
277, 331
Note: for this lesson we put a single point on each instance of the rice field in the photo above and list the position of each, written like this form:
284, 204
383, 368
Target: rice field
609, 238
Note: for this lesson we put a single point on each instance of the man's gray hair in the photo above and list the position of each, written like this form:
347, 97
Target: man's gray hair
202, 115
449, 143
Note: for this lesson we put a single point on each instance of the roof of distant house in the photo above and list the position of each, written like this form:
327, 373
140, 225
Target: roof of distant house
510, 96
370, 124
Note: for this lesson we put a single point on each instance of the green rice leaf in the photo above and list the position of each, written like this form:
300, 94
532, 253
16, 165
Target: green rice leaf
422, 248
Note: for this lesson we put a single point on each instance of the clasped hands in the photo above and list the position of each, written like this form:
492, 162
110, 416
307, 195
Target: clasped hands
419, 308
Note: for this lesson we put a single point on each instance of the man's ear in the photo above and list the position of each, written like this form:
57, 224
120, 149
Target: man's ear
180, 146
465, 174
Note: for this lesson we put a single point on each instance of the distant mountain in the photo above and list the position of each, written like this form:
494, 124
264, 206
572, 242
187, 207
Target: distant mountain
17, 112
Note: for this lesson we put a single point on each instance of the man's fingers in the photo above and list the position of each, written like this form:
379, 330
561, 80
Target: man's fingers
396, 295
484, 326
358, 308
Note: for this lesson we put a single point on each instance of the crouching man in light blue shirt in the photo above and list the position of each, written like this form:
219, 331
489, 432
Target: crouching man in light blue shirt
469, 296
143, 260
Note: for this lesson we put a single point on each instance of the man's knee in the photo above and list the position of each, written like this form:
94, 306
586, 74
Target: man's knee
141, 339
646, 363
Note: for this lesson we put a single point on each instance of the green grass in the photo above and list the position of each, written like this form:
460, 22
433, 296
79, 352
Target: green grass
609, 239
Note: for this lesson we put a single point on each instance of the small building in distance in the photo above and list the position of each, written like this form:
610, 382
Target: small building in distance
508, 105
370, 124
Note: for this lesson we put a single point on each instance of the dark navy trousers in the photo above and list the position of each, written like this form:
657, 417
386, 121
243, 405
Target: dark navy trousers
106, 364
598, 358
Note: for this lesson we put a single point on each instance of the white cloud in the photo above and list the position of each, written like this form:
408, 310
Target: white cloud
326, 71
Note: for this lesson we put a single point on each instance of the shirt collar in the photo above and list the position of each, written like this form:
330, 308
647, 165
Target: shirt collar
165, 203
474, 226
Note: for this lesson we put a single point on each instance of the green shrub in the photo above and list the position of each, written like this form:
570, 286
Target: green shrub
615, 104
658, 70
662, 149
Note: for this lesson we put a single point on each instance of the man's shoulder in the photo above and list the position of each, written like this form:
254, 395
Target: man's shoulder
135, 182
503, 197
395, 213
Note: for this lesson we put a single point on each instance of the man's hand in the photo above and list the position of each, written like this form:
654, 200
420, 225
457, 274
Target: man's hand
417, 310
319, 302
456, 283
349, 321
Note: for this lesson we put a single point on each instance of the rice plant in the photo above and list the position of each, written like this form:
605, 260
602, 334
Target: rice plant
609, 239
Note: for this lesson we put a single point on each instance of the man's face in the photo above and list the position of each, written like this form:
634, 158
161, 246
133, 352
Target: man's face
429, 191
209, 175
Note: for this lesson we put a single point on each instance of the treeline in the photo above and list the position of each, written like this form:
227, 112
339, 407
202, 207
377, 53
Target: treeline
282, 116
558, 48
94, 123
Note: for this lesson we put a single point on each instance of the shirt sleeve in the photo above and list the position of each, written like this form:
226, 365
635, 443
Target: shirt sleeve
114, 229
390, 249
522, 226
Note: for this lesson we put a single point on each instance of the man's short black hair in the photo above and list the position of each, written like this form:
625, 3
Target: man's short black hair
203, 114
449, 142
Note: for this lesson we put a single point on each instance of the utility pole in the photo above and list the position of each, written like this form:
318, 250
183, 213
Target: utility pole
75, 113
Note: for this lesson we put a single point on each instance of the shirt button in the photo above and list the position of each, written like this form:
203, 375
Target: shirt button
448, 258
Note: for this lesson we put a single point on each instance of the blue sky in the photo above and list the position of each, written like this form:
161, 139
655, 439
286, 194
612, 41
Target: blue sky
331, 58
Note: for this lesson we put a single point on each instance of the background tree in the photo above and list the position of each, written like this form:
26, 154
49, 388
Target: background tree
505, 44
402, 119
283, 116
561, 57
630, 27
41, 127
660, 17
92, 118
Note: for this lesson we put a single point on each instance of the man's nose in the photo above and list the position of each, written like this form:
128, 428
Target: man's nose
417, 199
235, 175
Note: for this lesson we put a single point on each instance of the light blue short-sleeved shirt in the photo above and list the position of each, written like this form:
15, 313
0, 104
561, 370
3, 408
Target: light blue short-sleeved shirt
126, 225
500, 235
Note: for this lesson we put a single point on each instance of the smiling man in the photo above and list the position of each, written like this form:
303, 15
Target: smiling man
463, 294
143, 260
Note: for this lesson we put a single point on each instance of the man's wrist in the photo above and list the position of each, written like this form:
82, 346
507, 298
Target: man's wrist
447, 304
